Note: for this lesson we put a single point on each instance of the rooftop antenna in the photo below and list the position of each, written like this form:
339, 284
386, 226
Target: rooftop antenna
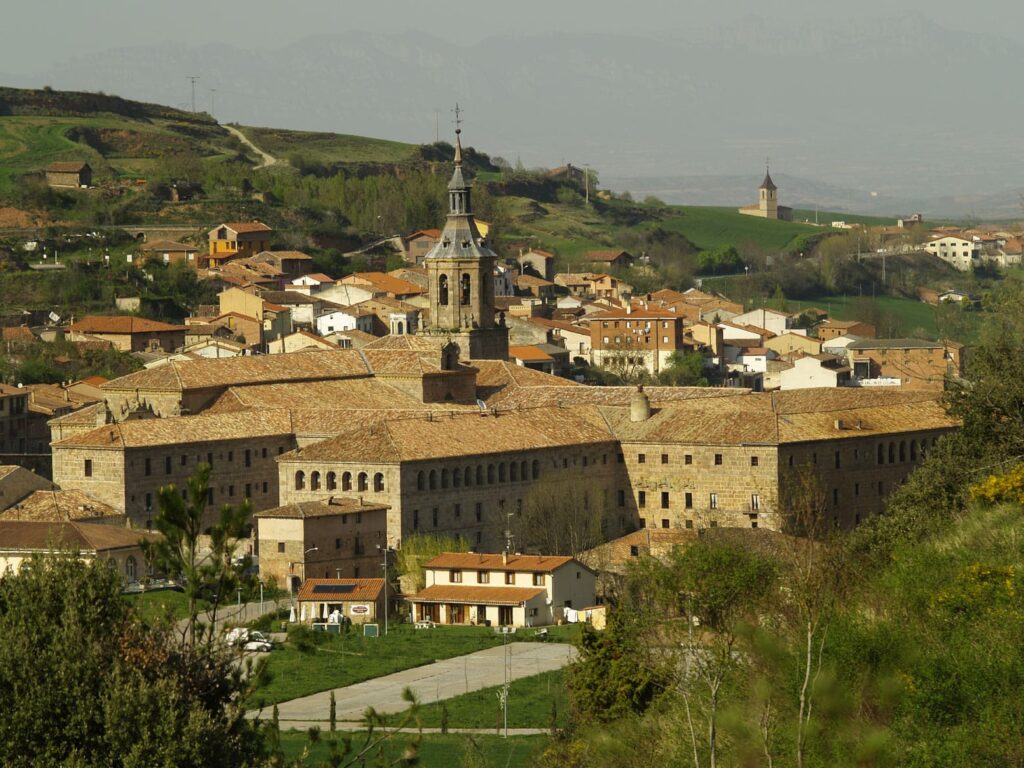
192, 79
458, 118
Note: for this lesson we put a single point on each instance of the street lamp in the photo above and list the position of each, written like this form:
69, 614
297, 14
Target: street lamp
384, 551
302, 562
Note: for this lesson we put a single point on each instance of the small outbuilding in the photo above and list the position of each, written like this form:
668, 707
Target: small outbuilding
360, 601
69, 174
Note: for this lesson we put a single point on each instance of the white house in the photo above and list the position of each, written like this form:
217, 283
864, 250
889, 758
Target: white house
346, 294
769, 319
502, 589
344, 319
311, 283
503, 281
838, 345
960, 252
815, 371
755, 359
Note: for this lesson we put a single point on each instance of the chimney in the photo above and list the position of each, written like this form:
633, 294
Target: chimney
639, 405
629, 309
504, 557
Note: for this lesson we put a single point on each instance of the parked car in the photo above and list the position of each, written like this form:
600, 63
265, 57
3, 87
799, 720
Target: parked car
249, 640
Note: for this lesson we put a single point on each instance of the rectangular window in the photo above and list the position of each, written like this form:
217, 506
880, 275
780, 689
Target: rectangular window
641, 499
688, 459
458, 511
713, 501
167, 465
664, 499
664, 522
835, 497
483, 577
620, 458
755, 502
634, 551
209, 459
641, 458
753, 461
248, 457
479, 511
434, 516
510, 578
248, 490
837, 459
856, 489
415, 519
231, 455
622, 498
880, 488
231, 491
263, 453
718, 459
337, 543
184, 459
209, 495
88, 467
455, 577
149, 501
689, 523
149, 468
538, 579
664, 458
280, 546
688, 500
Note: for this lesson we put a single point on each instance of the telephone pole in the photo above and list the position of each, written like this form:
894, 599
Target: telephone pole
192, 79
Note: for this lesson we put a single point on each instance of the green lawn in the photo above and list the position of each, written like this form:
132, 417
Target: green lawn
913, 314
529, 705
329, 147
435, 750
341, 661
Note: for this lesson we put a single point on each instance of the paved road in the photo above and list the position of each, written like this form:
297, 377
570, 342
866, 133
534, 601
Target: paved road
268, 159
430, 683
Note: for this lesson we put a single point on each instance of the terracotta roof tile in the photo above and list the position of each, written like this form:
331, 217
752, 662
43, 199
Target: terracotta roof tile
120, 324
35, 535
363, 590
475, 595
529, 353
479, 561
59, 506
336, 505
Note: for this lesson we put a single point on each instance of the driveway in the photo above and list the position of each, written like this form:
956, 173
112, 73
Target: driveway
430, 683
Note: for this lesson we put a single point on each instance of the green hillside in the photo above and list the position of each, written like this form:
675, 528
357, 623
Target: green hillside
329, 148
708, 228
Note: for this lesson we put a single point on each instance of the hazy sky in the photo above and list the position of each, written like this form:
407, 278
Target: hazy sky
72, 27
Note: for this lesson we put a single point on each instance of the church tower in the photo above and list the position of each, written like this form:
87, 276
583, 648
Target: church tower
767, 199
460, 270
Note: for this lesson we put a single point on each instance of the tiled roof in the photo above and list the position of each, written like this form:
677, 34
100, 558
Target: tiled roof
433, 233
363, 590
336, 505
255, 369
606, 256
245, 227
475, 595
35, 535
636, 314
420, 438
72, 166
320, 277
58, 506
533, 282
120, 324
382, 281
556, 324
529, 353
139, 433
18, 333
479, 561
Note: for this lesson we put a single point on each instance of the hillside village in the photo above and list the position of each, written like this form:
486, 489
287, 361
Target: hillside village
553, 414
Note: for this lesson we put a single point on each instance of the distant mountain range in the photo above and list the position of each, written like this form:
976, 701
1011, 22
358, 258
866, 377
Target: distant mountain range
899, 106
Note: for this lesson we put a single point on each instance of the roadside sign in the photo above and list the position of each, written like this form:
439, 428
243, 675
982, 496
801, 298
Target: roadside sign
371, 630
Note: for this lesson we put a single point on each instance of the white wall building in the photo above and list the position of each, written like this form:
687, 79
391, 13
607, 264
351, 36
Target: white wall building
960, 252
815, 371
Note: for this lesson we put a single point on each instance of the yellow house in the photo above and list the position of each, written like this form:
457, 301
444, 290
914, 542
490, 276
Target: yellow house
237, 240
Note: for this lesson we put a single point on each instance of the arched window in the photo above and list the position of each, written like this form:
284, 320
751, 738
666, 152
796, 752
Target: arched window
490, 474
513, 471
130, 567
346, 481
442, 290
479, 474
881, 453
523, 471
903, 450
892, 453
300, 480
456, 477
913, 450
464, 289
433, 480
314, 481
378, 482
332, 481
536, 469
363, 484
400, 327
467, 477
421, 481
444, 478
501, 472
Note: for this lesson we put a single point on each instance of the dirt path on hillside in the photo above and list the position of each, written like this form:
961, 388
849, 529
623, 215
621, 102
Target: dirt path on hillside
268, 159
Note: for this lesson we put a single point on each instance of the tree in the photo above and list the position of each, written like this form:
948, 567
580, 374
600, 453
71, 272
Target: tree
418, 549
685, 369
87, 682
209, 575
561, 515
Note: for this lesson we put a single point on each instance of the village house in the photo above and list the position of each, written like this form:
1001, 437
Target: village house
297, 342
128, 333
547, 358
334, 538
333, 601
17, 483
537, 262
961, 252
266, 320
74, 173
789, 341
829, 329
508, 590
20, 540
290, 264
769, 319
644, 338
336, 318
383, 284
535, 286
311, 283
575, 338
169, 252
610, 259
815, 370
418, 244
911, 363
237, 240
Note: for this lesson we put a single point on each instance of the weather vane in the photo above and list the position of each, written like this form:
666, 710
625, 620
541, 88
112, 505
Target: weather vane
458, 117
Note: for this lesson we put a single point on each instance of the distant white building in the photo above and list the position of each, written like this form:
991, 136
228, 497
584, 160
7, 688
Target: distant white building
961, 253
815, 371
769, 319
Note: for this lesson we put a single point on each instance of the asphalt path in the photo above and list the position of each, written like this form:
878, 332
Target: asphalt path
430, 683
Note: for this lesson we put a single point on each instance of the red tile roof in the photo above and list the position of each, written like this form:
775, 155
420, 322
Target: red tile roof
479, 561
368, 590
529, 353
455, 593
122, 324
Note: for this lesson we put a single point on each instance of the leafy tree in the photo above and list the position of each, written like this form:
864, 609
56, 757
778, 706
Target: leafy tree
685, 369
567, 522
421, 547
88, 683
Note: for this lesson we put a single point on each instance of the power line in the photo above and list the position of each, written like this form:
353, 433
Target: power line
192, 79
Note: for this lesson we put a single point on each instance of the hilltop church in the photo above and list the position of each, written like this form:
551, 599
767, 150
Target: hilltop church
767, 205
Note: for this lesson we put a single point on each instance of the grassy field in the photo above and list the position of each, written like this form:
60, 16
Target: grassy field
152, 605
435, 750
709, 228
912, 313
329, 147
827, 217
530, 702
341, 661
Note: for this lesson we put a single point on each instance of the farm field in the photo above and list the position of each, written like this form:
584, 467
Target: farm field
328, 147
709, 228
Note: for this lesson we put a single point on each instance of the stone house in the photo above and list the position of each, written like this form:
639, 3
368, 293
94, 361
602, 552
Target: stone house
914, 363
418, 244
537, 262
502, 589
645, 338
610, 259
129, 333
17, 483
829, 329
338, 537
169, 252
74, 173
788, 342
14, 417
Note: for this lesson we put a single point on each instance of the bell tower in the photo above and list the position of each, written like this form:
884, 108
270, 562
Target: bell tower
767, 196
460, 270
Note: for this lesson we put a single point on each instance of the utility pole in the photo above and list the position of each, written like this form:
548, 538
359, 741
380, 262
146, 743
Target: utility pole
586, 181
213, 96
192, 79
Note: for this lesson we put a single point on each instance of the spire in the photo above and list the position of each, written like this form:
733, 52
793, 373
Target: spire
767, 183
458, 146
